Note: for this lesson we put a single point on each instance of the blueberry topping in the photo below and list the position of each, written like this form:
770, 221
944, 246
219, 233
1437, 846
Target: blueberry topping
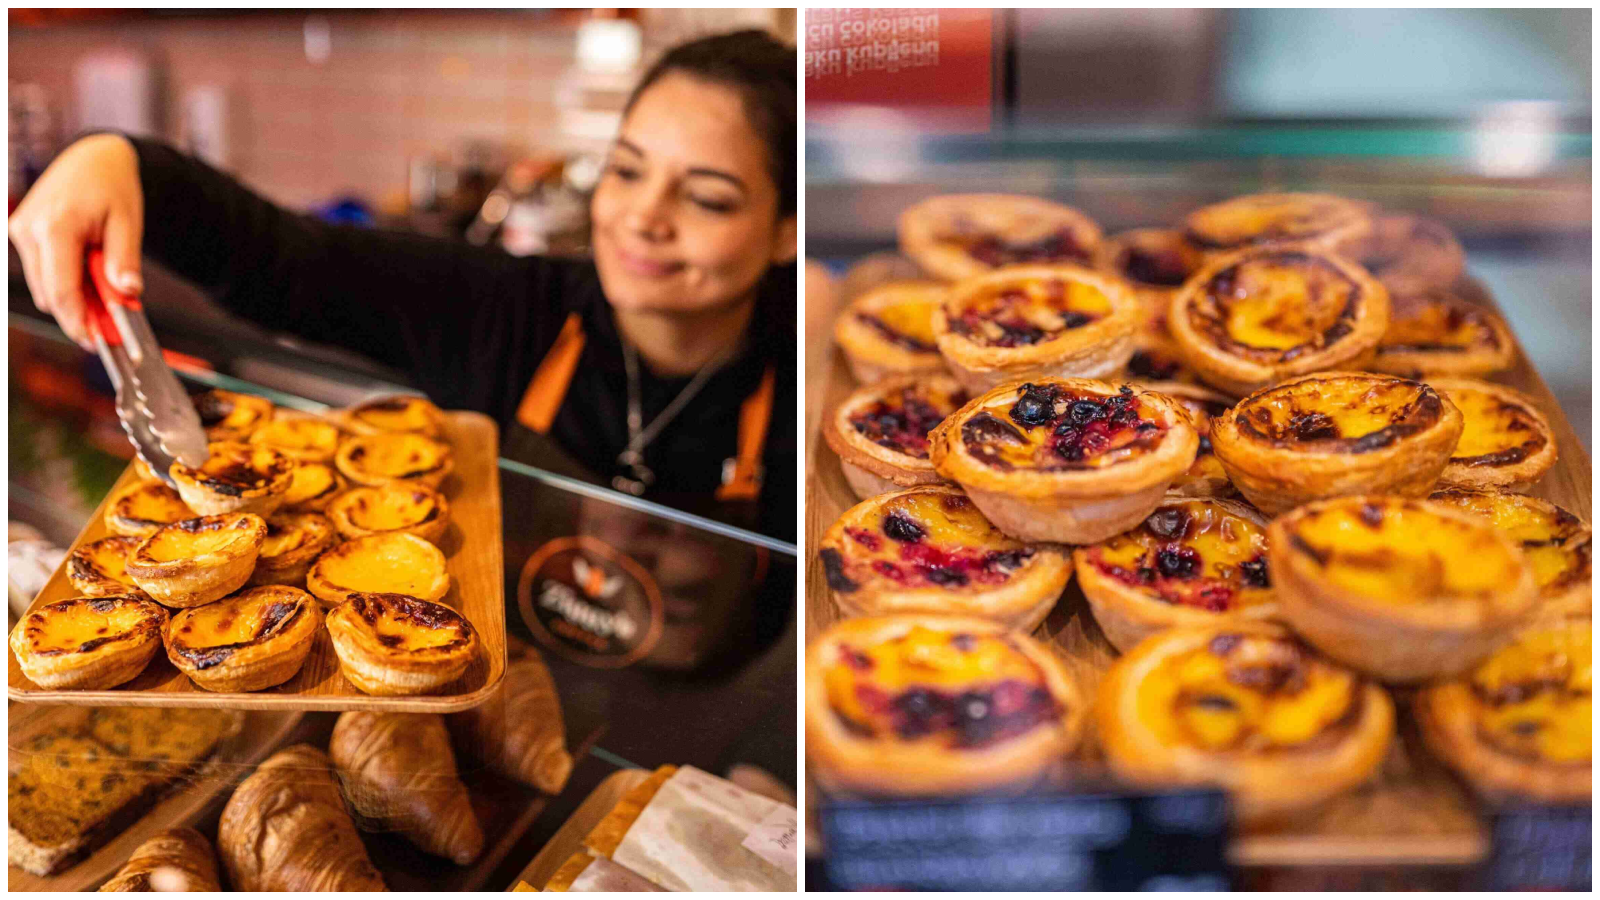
1178, 562
1082, 412
1035, 407
902, 529
1254, 573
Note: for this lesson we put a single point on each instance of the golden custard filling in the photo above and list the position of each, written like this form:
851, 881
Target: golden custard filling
234, 468
230, 624
953, 689
1347, 414
398, 414
408, 624
1555, 542
396, 455
153, 502
900, 420
1195, 554
309, 481
924, 539
1252, 220
197, 537
108, 558
390, 508
1050, 428
906, 322
1277, 306
1245, 693
1535, 696
283, 535
1402, 553
299, 437
385, 566
1027, 311
79, 626
1496, 432
1431, 324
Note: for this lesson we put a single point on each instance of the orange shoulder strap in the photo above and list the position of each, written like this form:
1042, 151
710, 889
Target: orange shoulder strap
551, 380
754, 416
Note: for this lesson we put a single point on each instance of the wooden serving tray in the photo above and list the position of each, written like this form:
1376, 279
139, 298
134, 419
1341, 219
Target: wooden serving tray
238, 756
472, 548
1414, 812
568, 839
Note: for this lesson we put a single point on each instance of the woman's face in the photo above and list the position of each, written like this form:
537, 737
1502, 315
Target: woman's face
685, 215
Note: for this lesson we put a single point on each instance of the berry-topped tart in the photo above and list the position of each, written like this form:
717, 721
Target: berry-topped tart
889, 330
1336, 433
1319, 220
1438, 333
1408, 253
881, 431
1246, 707
1557, 543
1190, 563
962, 235
1521, 725
1155, 262
1507, 443
1403, 589
1066, 459
1206, 476
1253, 318
923, 705
928, 549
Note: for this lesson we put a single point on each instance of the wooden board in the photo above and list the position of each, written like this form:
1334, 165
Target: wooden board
472, 548
568, 839
1413, 812
261, 734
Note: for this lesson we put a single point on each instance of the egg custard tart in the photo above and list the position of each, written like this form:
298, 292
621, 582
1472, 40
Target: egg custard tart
1065, 460
1206, 476
398, 507
1556, 543
1253, 318
959, 236
1315, 220
922, 705
293, 543
1401, 589
227, 416
196, 561
1155, 262
87, 643
1036, 321
1507, 443
387, 456
100, 568
1192, 562
889, 330
313, 488
401, 412
1245, 707
299, 436
392, 644
1438, 333
880, 432
253, 640
1408, 253
1333, 434
379, 563
145, 507
235, 478
928, 549
1520, 725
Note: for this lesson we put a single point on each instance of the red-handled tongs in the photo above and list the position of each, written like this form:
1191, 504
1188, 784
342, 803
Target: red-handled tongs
155, 410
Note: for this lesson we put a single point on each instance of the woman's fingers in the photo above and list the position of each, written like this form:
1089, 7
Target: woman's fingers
121, 242
60, 248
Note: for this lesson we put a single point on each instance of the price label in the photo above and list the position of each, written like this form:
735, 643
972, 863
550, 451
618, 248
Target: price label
1539, 848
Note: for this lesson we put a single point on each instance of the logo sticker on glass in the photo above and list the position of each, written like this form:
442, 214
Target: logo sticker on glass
590, 603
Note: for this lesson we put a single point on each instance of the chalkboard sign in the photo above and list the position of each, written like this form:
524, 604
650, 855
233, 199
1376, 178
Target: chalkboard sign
1535, 848
1060, 842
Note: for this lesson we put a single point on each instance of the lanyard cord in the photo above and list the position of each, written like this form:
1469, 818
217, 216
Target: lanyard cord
639, 435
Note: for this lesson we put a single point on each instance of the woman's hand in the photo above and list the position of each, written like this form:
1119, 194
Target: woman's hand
90, 195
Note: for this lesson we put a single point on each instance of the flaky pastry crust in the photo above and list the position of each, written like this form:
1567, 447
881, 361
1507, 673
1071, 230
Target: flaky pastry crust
87, 643
394, 645
889, 331
252, 640
196, 561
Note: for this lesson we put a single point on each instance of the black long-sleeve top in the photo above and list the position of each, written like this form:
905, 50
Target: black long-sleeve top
471, 324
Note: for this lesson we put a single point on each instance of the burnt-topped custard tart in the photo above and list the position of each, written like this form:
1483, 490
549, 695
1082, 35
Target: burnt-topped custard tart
196, 561
300, 436
252, 640
1253, 318
1507, 444
293, 543
387, 456
889, 330
227, 416
1331, 434
235, 478
1192, 562
960, 236
388, 563
398, 412
1408, 253
1070, 460
880, 432
144, 507
1246, 707
87, 643
393, 644
1521, 725
1402, 589
928, 549
313, 488
1556, 543
1206, 477
100, 568
1438, 333
923, 705
1036, 321
398, 507
1155, 262
1316, 220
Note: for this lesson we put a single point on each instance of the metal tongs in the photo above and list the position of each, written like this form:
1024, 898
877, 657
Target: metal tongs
155, 410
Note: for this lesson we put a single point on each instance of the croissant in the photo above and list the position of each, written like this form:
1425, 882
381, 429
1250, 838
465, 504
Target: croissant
178, 859
285, 829
399, 775
519, 733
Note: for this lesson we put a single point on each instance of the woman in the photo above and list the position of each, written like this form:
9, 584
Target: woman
664, 367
